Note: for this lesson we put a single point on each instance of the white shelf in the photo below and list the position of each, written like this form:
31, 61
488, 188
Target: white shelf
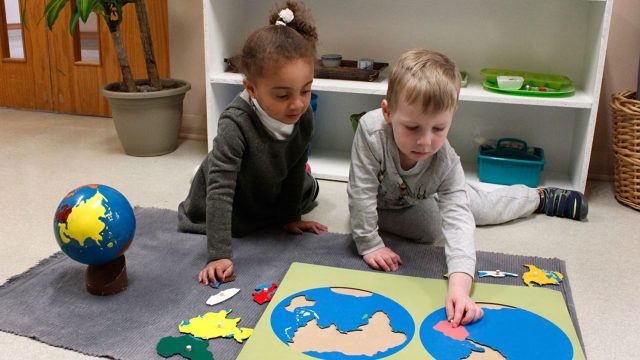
327, 164
475, 92
346, 86
472, 92
547, 179
532, 35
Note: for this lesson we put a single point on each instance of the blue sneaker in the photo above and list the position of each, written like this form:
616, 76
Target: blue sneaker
563, 203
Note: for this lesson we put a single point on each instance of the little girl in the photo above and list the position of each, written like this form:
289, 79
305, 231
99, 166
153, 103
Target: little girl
254, 176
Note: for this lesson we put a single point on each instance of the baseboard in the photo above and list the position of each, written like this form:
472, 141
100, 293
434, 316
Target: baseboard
192, 136
194, 127
601, 165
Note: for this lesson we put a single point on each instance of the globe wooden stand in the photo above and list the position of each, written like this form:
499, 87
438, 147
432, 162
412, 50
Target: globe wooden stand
107, 279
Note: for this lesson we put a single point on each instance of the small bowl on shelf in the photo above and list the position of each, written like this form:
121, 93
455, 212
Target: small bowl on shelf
331, 60
510, 82
365, 64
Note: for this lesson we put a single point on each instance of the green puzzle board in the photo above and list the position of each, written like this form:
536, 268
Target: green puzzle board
419, 296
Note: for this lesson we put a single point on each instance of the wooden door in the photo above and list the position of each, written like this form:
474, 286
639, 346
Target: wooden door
25, 76
74, 83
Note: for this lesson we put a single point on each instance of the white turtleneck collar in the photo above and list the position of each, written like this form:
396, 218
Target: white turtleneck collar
278, 129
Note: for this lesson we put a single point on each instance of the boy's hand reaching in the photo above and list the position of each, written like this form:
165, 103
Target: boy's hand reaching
460, 308
217, 270
383, 259
299, 227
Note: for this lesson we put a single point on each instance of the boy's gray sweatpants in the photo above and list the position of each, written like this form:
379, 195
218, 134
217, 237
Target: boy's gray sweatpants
423, 223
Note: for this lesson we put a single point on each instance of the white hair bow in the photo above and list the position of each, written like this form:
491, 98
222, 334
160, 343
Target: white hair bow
286, 16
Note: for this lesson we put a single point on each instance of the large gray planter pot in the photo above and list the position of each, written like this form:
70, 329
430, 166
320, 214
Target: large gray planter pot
148, 123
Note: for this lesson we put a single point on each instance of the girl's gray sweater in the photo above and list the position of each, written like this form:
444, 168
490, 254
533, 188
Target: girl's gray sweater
248, 180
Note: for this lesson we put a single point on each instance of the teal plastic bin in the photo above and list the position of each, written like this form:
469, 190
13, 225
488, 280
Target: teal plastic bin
511, 162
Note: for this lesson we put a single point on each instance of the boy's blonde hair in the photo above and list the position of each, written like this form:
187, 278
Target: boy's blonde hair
424, 77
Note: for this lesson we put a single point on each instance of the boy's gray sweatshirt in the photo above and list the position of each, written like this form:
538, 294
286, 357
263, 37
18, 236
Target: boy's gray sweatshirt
376, 181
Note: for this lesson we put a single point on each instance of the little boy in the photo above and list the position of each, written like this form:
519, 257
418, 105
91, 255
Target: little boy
406, 179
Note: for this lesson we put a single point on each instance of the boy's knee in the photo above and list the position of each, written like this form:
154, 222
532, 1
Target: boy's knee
431, 236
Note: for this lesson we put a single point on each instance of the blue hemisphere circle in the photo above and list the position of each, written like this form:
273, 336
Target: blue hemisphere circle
345, 311
513, 332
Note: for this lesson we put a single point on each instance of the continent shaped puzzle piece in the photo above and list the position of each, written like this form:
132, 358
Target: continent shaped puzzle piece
264, 293
212, 325
187, 346
223, 295
540, 276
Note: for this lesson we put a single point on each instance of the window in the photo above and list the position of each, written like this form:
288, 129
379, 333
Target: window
12, 38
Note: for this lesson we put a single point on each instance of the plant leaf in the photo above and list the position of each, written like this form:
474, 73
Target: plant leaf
52, 10
85, 7
23, 17
73, 23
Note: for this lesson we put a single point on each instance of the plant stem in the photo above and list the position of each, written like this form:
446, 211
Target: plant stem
145, 37
123, 60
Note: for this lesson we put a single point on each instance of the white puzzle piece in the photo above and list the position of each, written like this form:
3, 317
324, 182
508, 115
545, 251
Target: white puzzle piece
496, 273
222, 296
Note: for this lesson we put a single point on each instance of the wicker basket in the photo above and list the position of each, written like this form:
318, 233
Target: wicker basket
626, 147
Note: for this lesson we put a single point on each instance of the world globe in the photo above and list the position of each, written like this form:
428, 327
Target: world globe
94, 224
342, 323
503, 333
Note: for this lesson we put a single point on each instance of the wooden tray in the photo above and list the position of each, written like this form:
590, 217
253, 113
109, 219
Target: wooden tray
348, 70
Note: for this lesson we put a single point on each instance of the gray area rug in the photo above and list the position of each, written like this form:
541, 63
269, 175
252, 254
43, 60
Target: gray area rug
49, 302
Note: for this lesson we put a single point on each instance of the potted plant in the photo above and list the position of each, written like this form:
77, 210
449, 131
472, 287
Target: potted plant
147, 113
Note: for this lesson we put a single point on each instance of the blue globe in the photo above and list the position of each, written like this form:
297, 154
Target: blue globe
94, 224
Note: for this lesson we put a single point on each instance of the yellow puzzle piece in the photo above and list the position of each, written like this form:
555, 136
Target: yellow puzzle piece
212, 325
541, 277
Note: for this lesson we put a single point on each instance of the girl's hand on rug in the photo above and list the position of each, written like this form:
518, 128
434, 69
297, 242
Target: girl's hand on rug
460, 308
299, 227
383, 259
218, 269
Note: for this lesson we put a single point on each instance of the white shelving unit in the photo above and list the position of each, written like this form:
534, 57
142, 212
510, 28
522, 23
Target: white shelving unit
567, 37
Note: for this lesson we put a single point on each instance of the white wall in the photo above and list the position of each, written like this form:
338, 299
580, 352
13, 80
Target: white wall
620, 73
186, 56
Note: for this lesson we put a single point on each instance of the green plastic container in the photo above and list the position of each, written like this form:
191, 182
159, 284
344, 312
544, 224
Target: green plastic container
511, 163
530, 78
